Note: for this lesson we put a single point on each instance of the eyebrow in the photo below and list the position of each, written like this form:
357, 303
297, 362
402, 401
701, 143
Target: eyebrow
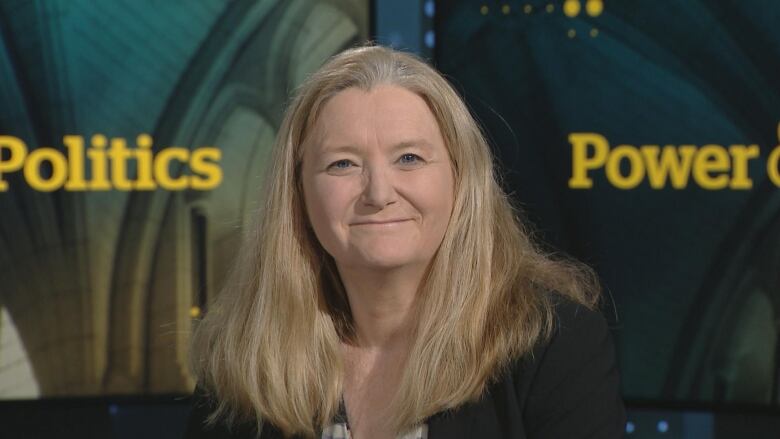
340, 148
421, 143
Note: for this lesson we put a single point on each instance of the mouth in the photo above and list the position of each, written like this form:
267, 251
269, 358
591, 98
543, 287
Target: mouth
382, 223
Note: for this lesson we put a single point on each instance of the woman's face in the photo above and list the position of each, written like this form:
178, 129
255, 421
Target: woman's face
377, 179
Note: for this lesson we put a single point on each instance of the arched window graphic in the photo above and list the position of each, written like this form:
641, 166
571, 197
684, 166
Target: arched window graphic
17, 380
118, 278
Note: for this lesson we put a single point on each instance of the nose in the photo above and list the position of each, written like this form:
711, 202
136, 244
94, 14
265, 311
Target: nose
378, 189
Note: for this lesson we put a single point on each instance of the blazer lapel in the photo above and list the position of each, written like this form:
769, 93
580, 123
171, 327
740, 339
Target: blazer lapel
448, 425
495, 415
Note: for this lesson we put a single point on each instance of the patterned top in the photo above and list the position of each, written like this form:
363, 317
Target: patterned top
340, 430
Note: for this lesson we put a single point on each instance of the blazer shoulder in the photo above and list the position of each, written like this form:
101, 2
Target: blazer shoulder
569, 385
202, 405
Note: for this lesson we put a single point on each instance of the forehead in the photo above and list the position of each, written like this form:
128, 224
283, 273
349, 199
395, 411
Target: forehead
385, 114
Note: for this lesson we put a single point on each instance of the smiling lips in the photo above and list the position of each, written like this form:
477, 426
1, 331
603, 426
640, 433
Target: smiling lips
382, 223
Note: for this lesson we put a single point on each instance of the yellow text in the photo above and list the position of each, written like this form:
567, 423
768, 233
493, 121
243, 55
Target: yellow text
711, 166
105, 165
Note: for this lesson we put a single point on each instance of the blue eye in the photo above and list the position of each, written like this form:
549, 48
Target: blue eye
341, 164
409, 159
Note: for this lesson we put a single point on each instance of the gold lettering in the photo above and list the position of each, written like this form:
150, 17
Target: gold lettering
32, 169
118, 154
711, 159
162, 168
581, 163
740, 155
773, 166
203, 164
673, 165
143, 155
76, 174
17, 152
636, 168
98, 161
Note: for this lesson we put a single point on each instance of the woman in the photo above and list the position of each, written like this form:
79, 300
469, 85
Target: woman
389, 290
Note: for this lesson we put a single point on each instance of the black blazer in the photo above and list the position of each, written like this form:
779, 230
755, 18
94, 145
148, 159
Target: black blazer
567, 389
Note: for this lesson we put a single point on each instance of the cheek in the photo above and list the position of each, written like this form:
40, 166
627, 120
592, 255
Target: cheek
436, 195
327, 206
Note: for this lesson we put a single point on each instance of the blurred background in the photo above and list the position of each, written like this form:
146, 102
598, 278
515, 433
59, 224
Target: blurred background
100, 284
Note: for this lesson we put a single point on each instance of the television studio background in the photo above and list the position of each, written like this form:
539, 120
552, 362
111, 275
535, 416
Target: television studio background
639, 136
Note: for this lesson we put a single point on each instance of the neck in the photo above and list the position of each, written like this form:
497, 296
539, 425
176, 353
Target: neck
382, 304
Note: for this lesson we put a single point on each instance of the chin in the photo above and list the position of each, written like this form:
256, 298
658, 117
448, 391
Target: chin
387, 261
385, 264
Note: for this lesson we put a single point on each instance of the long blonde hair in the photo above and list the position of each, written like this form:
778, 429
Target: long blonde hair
268, 349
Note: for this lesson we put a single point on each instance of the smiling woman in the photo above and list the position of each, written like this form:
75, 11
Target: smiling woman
389, 289
385, 202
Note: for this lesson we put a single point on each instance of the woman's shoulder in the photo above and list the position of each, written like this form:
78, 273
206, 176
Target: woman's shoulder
202, 405
570, 383
580, 335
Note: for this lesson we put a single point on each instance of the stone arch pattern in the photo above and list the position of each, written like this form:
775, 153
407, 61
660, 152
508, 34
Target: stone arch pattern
100, 285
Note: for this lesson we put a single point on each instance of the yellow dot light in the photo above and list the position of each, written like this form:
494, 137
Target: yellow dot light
594, 8
528, 9
195, 311
550, 8
505, 9
571, 33
484, 10
572, 8
594, 32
